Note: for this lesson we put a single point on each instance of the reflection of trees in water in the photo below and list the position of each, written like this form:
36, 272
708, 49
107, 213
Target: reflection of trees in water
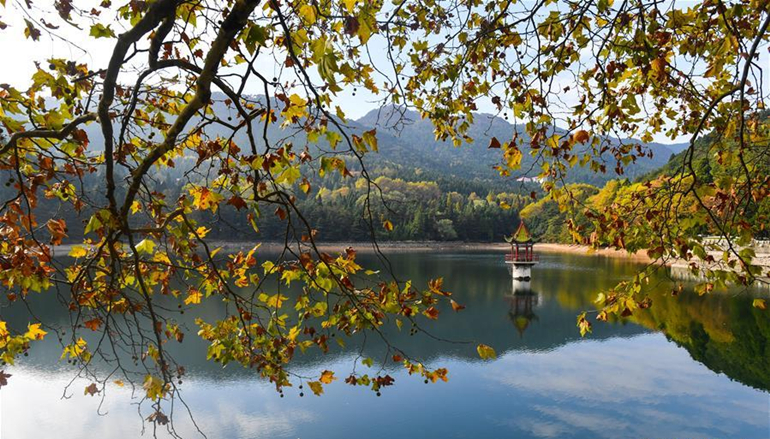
721, 330
685, 273
480, 282
724, 332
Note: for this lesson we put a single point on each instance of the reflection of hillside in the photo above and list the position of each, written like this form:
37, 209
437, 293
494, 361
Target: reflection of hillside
480, 282
725, 333
685, 273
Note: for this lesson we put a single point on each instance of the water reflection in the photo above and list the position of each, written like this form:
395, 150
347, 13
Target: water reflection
633, 378
523, 301
723, 331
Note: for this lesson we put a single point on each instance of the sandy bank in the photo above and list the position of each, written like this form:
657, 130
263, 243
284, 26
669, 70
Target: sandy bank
385, 246
452, 246
588, 251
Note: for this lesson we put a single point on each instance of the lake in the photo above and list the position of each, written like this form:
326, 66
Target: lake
689, 367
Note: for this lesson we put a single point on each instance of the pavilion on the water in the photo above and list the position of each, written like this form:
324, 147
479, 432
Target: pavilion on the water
522, 256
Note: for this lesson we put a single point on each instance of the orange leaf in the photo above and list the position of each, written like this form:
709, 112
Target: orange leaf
581, 136
93, 324
658, 65
58, 230
237, 202
456, 306
91, 390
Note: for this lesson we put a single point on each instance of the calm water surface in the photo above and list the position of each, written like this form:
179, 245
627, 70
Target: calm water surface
690, 367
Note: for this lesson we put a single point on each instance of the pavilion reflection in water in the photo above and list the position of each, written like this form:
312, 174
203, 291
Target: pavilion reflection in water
523, 302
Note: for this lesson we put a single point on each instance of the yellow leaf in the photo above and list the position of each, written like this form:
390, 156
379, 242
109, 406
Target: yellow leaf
370, 137
34, 332
759, 303
583, 324
193, 298
274, 301
388, 225
307, 12
316, 387
365, 28
78, 251
486, 352
76, 350
512, 156
146, 246
327, 377
205, 199
340, 113
119, 383
153, 387
658, 64
293, 333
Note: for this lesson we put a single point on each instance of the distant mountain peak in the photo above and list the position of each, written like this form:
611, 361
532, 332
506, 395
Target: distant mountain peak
390, 117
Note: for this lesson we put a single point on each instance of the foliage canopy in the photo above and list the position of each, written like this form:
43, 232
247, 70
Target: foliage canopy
576, 75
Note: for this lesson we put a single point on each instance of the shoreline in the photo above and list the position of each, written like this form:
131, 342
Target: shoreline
762, 259
428, 246
416, 247
365, 247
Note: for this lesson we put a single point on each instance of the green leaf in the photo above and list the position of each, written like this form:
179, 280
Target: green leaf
316, 387
146, 246
370, 137
100, 31
289, 175
486, 352
93, 224
583, 324
257, 35
307, 12
153, 387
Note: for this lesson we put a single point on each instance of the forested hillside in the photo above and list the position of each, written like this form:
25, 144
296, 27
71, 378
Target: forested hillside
671, 183
425, 188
